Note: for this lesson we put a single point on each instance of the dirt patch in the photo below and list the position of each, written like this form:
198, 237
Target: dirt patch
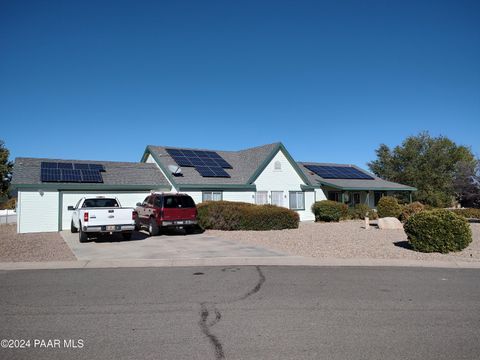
347, 240
32, 247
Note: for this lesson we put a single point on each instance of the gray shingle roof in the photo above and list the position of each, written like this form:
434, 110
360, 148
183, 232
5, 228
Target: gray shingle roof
244, 163
27, 171
351, 184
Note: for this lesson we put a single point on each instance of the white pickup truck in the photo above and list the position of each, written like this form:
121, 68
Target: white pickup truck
97, 215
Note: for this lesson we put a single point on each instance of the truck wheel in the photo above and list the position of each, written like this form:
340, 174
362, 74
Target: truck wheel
153, 227
127, 235
82, 236
138, 227
73, 229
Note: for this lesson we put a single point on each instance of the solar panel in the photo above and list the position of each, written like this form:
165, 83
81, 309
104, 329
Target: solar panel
338, 172
212, 171
81, 166
65, 165
70, 175
91, 176
196, 158
50, 175
71, 172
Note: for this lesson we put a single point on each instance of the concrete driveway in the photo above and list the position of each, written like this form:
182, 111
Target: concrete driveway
170, 246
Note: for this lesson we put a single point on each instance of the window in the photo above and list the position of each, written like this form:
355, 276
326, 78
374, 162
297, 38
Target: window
297, 200
100, 202
334, 196
277, 198
277, 166
212, 196
261, 197
178, 201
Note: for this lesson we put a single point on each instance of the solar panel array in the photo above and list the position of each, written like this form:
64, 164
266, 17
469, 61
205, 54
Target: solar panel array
71, 172
338, 172
207, 163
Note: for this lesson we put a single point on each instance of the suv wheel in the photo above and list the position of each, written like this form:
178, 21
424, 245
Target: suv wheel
153, 227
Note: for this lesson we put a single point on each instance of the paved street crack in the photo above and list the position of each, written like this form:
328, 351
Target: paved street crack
209, 309
204, 313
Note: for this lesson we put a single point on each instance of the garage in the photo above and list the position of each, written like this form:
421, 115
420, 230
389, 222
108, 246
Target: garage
44, 195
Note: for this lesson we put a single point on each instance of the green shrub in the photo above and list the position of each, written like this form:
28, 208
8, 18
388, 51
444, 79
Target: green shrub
469, 213
388, 207
226, 215
327, 210
361, 211
372, 214
411, 209
438, 231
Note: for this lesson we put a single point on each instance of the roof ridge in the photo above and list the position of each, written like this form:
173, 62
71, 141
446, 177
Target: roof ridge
205, 149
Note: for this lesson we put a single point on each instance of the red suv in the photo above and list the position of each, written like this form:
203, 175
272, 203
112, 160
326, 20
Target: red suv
161, 211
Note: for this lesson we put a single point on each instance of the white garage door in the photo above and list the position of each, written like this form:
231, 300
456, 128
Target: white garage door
37, 211
70, 198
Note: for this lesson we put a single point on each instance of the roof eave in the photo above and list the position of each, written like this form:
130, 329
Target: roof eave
89, 186
374, 188
228, 187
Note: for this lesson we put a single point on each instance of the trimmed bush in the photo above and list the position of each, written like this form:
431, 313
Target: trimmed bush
469, 213
411, 209
438, 231
361, 211
226, 215
388, 207
327, 210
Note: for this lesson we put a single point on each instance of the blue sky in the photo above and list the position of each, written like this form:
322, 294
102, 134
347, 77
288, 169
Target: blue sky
330, 79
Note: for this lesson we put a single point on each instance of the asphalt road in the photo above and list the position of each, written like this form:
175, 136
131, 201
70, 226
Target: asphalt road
242, 313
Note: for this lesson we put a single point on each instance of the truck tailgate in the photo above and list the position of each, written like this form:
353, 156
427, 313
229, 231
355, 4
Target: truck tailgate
108, 216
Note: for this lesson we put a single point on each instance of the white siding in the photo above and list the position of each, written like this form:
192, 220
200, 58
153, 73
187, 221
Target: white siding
319, 195
195, 195
150, 159
242, 196
286, 180
70, 198
37, 211
307, 214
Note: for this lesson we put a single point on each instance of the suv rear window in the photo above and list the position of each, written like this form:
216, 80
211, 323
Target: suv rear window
178, 202
93, 203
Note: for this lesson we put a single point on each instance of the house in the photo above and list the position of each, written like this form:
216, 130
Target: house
265, 174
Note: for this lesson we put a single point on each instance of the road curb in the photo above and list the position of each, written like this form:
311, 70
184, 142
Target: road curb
236, 261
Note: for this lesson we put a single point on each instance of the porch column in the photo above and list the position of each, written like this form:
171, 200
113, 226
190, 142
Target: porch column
410, 193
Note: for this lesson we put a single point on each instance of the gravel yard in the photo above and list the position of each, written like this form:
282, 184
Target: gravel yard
32, 247
347, 239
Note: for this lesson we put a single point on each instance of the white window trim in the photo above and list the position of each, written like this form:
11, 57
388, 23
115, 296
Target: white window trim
257, 197
211, 195
290, 202
271, 197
